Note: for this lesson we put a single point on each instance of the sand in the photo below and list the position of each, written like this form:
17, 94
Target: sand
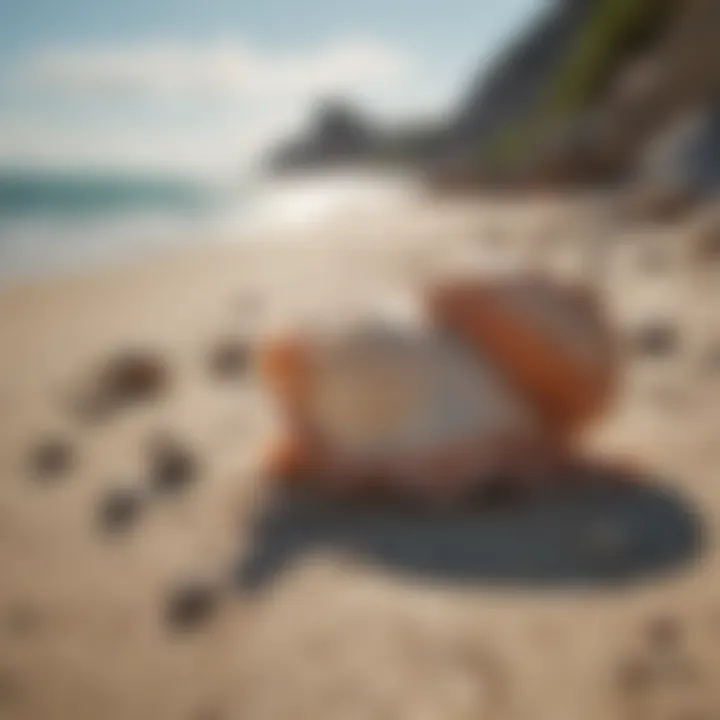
86, 630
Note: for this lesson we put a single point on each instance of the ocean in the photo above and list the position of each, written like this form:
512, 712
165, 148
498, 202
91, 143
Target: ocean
63, 221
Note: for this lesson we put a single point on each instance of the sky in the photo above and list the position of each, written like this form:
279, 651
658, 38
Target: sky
206, 85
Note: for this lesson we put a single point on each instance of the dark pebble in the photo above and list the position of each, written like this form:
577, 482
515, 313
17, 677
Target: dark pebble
128, 378
191, 605
135, 376
119, 509
173, 467
230, 359
657, 340
634, 676
664, 633
51, 459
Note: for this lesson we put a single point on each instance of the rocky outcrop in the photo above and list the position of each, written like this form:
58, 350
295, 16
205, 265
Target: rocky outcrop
639, 126
338, 135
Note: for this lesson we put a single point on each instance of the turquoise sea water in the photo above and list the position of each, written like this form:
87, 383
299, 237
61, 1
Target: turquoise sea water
28, 194
58, 221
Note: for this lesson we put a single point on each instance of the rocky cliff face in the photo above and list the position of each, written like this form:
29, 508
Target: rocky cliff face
517, 85
662, 65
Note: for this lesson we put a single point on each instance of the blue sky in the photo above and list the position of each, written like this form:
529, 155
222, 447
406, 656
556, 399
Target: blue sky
206, 84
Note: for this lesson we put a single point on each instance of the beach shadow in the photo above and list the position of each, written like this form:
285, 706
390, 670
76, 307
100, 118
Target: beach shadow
617, 531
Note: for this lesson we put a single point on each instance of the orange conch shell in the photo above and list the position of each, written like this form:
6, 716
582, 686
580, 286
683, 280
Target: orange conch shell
503, 377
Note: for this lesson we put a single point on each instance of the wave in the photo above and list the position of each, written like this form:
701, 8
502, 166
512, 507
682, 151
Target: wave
53, 222
37, 193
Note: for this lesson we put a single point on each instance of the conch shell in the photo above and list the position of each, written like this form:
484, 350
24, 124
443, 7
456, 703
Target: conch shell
500, 381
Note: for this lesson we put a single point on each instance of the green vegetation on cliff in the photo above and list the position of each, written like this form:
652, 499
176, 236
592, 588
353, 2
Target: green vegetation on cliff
614, 30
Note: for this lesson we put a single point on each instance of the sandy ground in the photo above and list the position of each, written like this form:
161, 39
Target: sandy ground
84, 630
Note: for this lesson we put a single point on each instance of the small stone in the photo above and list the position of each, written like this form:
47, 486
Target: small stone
230, 359
173, 467
129, 378
191, 605
634, 676
664, 632
658, 339
135, 376
51, 459
119, 509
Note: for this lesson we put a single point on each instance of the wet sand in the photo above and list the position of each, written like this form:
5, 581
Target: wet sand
123, 518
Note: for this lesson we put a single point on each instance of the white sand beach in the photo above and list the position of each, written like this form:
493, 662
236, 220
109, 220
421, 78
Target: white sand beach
83, 627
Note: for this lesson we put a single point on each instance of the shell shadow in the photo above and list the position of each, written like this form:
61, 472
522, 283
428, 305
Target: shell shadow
616, 531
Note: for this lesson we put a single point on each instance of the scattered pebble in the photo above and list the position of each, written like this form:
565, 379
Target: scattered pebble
51, 459
658, 339
119, 509
173, 467
230, 359
191, 605
634, 676
129, 378
664, 633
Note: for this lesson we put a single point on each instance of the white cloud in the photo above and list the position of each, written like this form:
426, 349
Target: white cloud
233, 69
217, 105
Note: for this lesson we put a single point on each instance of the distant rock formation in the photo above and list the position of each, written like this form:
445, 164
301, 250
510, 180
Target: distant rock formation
338, 135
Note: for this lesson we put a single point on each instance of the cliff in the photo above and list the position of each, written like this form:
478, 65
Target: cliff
580, 96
